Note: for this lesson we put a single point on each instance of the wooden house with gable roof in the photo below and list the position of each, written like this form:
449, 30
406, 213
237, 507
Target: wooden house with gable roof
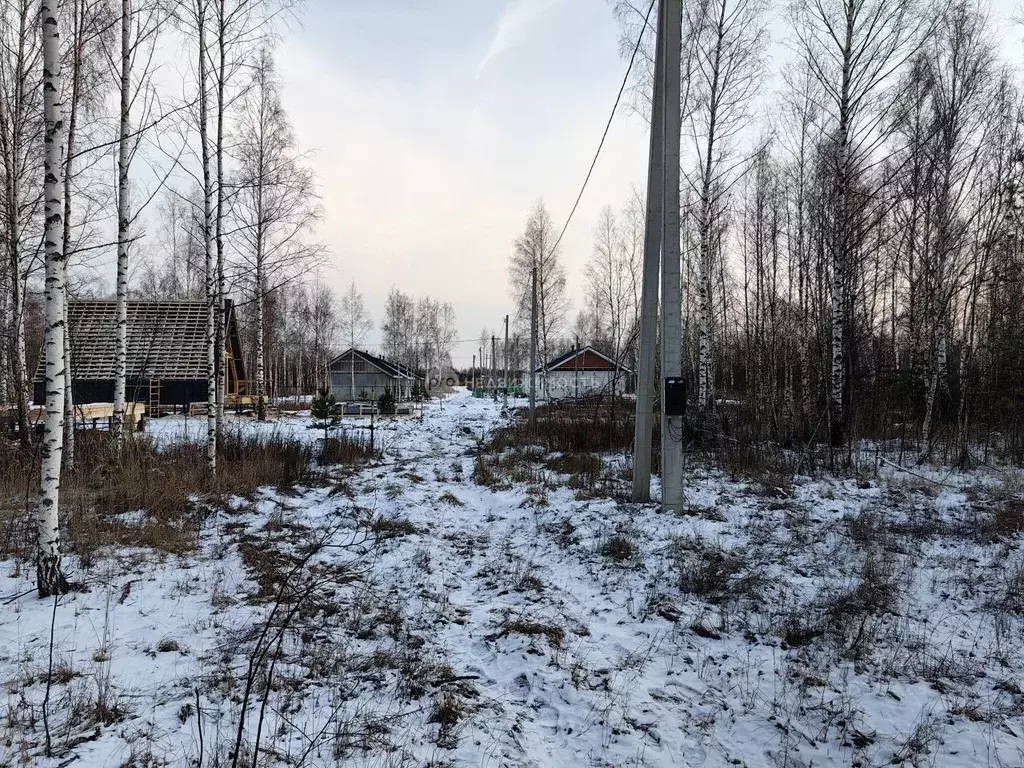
583, 371
167, 363
358, 375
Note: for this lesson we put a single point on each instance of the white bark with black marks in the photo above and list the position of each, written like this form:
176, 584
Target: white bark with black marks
50, 579
123, 229
212, 293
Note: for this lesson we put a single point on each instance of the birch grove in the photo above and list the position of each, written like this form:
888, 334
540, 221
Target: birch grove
853, 250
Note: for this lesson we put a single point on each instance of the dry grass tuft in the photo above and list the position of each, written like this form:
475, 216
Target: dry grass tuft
619, 548
392, 527
554, 634
709, 572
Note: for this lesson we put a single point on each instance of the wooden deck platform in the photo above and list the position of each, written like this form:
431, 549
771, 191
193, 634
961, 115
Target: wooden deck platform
94, 415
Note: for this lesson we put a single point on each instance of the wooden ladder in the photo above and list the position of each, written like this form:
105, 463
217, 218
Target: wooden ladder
154, 399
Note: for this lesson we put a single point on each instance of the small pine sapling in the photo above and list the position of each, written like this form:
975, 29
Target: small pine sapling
386, 403
323, 411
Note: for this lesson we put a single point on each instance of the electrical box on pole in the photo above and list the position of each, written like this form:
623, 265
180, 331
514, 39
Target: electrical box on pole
675, 396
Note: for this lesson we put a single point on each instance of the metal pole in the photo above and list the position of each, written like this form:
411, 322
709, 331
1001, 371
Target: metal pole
577, 382
533, 349
652, 266
671, 299
505, 399
494, 367
473, 385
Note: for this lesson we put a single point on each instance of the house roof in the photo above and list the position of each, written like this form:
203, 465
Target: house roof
583, 359
166, 340
389, 367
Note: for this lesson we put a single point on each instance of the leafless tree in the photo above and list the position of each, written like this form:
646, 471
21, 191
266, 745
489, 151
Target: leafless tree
275, 203
853, 48
354, 323
535, 249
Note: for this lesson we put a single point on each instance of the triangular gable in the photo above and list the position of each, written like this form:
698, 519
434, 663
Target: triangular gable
381, 365
577, 359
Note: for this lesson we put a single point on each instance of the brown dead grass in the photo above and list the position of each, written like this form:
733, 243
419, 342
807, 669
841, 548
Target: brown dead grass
149, 497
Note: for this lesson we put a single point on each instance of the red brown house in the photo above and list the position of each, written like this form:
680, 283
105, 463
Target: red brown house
583, 371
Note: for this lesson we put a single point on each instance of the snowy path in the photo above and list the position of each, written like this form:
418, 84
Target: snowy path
499, 626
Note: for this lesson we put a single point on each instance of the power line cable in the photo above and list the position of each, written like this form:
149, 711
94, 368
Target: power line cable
608, 125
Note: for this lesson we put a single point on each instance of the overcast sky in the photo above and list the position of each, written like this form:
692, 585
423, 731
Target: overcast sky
436, 124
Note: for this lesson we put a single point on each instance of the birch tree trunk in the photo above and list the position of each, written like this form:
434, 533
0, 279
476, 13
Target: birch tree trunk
49, 578
840, 240
123, 225
69, 400
212, 400
13, 138
219, 237
5, 341
261, 373
77, 45
20, 384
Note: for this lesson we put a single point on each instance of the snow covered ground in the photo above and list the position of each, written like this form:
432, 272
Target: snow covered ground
420, 613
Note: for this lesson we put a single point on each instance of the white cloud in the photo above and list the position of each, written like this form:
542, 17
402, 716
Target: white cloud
516, 19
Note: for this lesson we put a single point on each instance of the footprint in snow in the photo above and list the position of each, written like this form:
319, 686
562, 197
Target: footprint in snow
547, 717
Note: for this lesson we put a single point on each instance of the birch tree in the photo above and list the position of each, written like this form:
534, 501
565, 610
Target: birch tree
535, 248
853, 48
354, 324
729, 41
613, 275
275, 204
49, 576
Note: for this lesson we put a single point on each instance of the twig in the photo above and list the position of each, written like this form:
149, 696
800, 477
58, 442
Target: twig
456, 679
894, 465
49, 679
12, 598
199, 727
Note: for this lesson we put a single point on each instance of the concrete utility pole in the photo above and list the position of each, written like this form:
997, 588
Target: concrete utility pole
671, 299
505, 400
533, 349
652, 264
